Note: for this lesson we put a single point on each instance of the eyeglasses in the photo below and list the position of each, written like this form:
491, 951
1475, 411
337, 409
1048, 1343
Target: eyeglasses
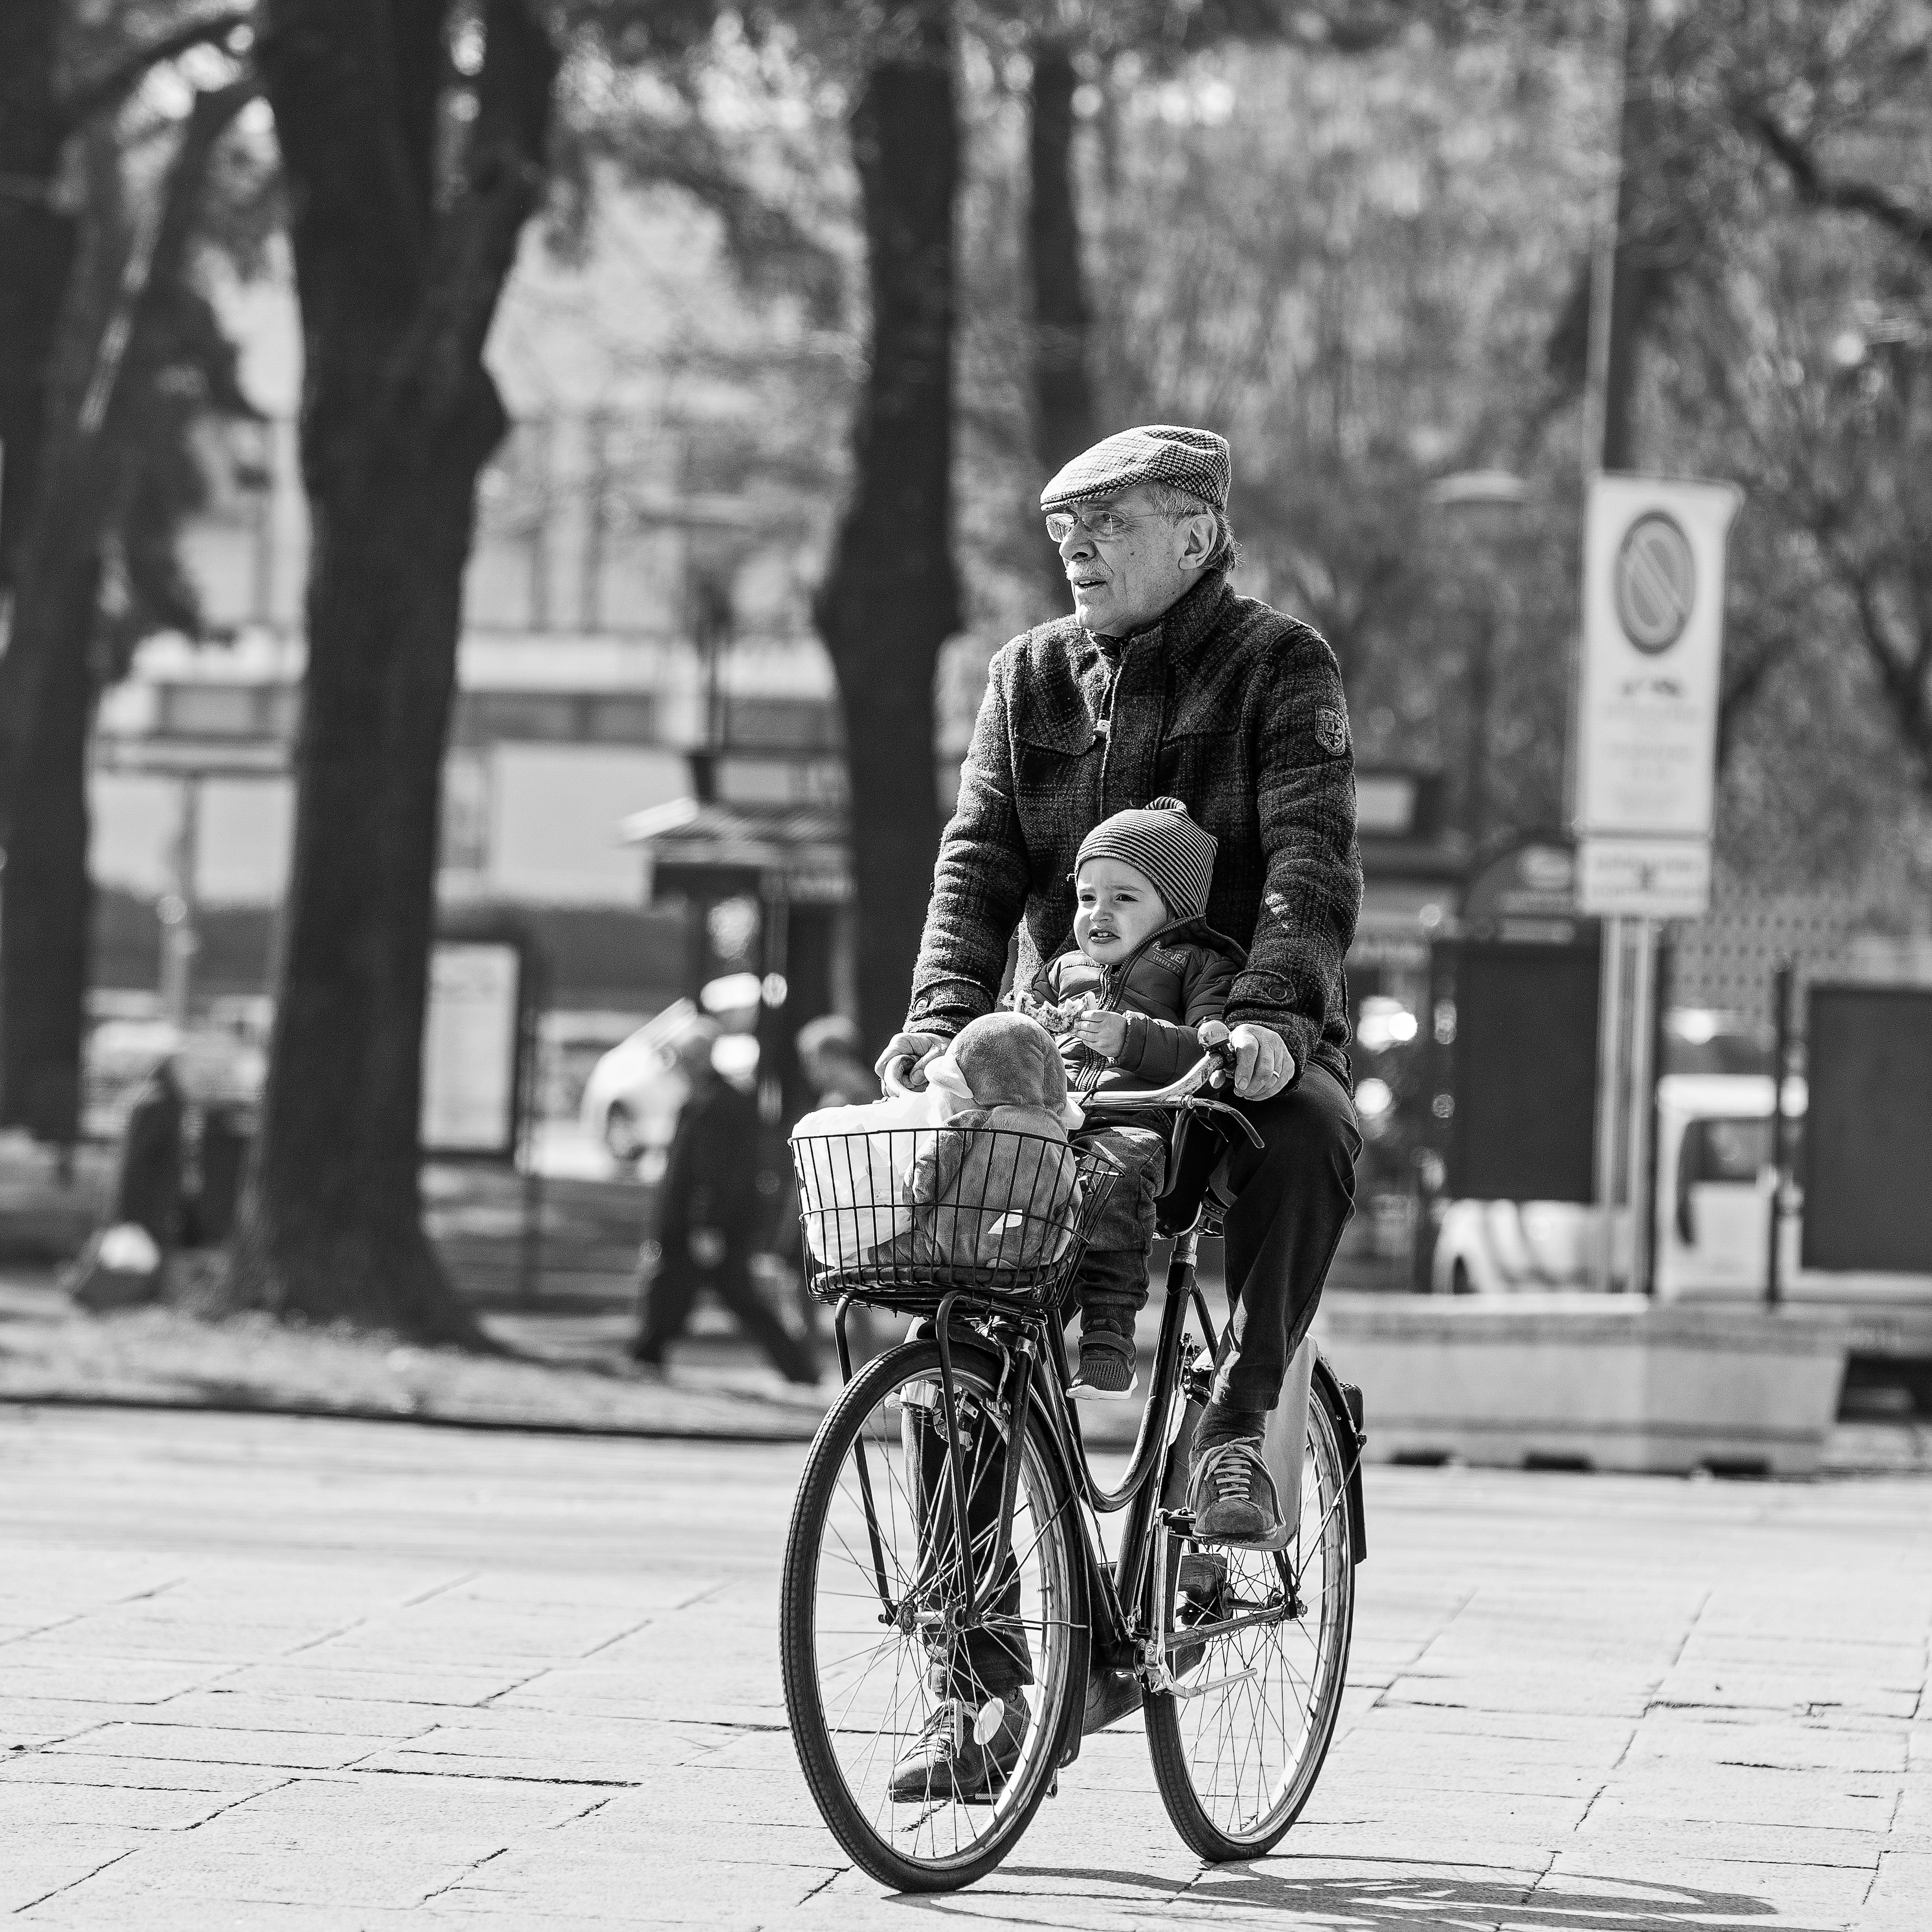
1060, 524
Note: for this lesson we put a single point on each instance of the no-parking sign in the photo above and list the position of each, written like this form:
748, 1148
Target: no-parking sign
1647, 700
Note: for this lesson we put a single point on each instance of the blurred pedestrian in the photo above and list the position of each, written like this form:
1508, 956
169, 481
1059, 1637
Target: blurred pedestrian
126, 1263
831, 1056
148, 1191
708, 1217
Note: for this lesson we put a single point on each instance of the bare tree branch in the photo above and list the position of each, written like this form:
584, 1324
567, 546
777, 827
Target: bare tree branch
109, 87
1820, 189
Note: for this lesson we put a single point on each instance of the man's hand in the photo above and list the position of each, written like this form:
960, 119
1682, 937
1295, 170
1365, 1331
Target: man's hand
1106, 1033
1263, 1065
919, 1047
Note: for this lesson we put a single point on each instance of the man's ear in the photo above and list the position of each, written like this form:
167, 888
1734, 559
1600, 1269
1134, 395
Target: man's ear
1199, 546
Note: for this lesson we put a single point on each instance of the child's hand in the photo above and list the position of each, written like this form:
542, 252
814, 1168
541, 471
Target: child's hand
1106, 1033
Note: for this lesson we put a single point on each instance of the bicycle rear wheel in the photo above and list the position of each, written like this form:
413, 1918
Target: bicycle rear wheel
1259, 1652
870, 1617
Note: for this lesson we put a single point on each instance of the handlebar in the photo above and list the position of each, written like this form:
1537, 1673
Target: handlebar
1183, 1092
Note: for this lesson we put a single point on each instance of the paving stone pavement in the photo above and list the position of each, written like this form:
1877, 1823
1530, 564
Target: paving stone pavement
263, 1674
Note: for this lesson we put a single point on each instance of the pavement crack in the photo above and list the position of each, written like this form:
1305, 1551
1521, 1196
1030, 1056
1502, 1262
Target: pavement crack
94, 1873
822, 1883
441, 1589
246, 1797
508, 1690
363, 1770
475, 1865
618, 1636
327, 1636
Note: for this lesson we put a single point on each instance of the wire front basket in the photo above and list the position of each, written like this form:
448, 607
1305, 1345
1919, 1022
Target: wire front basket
902, 1217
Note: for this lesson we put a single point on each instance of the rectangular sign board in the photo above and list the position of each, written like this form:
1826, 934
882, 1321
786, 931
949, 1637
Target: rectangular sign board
1644, 878
1868, 1130
473, 1037
1522, 1069
1647, 697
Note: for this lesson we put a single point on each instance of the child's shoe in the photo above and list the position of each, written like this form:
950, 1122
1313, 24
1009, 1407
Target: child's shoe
1106, 1371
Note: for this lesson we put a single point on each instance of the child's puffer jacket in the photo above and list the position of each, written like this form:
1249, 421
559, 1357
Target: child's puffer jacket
998, 1187
1179, 977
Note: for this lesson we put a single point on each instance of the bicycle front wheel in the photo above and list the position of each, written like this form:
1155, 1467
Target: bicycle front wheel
884, 1673
1258, 1652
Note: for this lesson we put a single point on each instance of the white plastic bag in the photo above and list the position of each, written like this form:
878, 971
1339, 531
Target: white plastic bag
853, 1164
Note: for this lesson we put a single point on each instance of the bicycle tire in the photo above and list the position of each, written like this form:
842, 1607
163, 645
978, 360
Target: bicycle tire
829, 1512
1220, 1737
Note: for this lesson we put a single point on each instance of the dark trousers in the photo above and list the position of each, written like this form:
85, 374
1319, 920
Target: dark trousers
666, 1308
1292, 1197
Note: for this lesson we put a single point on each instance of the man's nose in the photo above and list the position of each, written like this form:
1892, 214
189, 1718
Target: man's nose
1077, 543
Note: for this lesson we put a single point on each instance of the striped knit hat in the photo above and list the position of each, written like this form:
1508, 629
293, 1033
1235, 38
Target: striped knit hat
1161, 841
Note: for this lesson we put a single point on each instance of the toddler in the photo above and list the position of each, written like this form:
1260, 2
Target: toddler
1126, 1004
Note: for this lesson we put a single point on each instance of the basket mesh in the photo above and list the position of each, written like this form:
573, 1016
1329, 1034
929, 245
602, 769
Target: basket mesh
908, 1215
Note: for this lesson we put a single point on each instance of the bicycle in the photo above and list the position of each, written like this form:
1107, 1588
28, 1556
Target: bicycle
1237, 1656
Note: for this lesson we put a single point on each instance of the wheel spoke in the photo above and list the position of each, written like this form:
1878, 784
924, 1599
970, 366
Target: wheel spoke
860, 1694
1243, 1749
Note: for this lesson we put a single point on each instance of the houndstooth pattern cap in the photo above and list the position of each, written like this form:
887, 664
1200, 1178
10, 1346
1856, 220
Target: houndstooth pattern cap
1193, 459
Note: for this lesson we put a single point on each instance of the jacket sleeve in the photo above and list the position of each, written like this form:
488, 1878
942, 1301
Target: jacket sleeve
1306, 797
979, 883
1163, 1050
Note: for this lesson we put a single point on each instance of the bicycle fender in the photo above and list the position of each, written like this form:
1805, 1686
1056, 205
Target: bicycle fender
1345, 1410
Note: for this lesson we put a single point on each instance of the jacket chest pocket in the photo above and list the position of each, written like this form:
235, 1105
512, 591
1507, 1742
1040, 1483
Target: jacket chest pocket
1051, 784
1207, 771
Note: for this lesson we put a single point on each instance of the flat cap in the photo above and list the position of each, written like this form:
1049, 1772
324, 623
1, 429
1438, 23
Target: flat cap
1193, 459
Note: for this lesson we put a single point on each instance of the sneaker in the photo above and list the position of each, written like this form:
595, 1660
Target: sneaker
962, 1755
1232, 1494
1106, 1372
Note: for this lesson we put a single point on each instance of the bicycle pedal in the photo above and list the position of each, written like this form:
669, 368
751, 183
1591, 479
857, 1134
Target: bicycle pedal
1202, 1572
1178, 1522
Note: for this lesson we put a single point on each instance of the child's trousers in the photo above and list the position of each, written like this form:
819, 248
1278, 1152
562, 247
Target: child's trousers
1111, 1286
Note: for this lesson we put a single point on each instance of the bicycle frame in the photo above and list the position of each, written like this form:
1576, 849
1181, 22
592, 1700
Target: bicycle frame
1125, 1605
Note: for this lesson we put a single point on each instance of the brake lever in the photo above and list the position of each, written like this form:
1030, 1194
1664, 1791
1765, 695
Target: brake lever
1197, 1105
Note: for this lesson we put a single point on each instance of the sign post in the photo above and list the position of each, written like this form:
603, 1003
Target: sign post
1646, 737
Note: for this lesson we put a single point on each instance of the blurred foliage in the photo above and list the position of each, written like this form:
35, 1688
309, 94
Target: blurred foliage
1354, 236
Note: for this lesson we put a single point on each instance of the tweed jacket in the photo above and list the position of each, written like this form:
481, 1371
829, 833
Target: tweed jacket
1224, 703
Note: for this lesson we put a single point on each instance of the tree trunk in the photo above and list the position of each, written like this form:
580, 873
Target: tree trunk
36, 252
43, 800
398, 418
1063, 390
83, 459
892, 599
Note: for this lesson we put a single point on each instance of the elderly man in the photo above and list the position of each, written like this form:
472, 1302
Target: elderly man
1164, 681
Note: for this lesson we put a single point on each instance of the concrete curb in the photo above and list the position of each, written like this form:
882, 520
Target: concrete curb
358, 1412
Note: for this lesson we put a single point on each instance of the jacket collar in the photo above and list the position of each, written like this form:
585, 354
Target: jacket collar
1183, 626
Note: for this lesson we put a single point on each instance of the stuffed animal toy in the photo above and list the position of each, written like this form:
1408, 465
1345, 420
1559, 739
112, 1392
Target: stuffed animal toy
997, 1187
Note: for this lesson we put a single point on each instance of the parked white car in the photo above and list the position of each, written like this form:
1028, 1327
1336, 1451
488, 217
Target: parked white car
1713, 1206
1712, 1238
632, 1098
